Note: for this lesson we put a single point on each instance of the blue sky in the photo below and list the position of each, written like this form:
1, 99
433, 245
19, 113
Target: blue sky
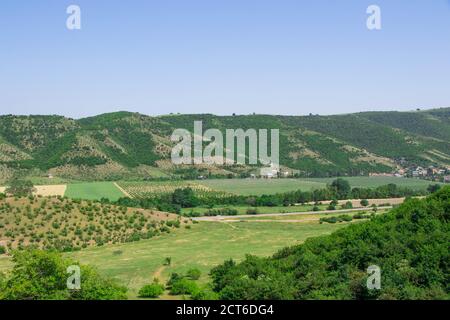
223, 56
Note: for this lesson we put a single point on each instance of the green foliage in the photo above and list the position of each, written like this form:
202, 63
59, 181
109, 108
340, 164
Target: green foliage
42, 275
341, 187
252, 211
183, 286
2, 250
184, 198
193, 274
347, 205
204, 294
409, 244
151, 290
364, 202
433, 188
20, 188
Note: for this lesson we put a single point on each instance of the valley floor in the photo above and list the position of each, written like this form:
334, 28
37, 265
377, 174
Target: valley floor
204, 246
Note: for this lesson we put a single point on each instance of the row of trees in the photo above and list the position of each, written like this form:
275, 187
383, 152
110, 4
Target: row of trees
339, 189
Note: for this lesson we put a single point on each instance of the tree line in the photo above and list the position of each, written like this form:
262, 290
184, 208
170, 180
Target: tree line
339, 189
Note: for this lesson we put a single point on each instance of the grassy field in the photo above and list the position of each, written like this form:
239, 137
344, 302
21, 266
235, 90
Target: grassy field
373, 182
93, 191
204, 246
258, 187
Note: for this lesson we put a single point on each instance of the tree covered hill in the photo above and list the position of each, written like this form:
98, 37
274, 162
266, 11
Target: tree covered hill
130, 145
58, 223
409, 245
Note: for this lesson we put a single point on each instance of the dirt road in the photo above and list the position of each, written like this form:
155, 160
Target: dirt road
227, 218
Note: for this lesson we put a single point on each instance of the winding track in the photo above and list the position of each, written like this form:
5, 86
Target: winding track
227, 218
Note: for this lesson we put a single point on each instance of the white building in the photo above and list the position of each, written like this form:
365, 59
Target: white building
270, 172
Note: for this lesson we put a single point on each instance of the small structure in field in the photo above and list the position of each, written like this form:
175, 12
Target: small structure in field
269, 172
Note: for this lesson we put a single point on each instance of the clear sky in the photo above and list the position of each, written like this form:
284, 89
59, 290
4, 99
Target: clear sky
223, 56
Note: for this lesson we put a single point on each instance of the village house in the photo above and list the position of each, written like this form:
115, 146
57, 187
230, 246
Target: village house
269, 172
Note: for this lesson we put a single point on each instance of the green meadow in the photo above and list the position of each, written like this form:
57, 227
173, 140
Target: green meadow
93, 191
204, 246
272, 186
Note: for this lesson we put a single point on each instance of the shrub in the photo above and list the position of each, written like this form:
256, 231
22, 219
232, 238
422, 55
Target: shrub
2, 250
20, 188
42, 275
347, 205
151, 290
193, 274
183, 286
252, 211
364, 202
204, 294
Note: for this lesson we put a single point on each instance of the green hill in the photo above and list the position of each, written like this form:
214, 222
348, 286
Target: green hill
126, 145
409, 245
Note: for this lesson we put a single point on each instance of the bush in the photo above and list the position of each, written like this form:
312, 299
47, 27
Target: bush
20, 188
151, 290
252, 211
364, 202
193, 274
42, 275
183, 286
204, 294
2, 250
347, 205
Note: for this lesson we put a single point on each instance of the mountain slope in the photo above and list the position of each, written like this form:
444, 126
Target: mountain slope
130, 145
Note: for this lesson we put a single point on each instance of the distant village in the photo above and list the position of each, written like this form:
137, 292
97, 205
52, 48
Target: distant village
432, 173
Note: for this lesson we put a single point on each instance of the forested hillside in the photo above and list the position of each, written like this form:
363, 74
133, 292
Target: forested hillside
409, 245
126, 145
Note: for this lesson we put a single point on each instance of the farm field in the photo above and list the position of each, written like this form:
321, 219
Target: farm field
93, 191
157, 188
373, 182
259, 186
46, 190
204, 246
